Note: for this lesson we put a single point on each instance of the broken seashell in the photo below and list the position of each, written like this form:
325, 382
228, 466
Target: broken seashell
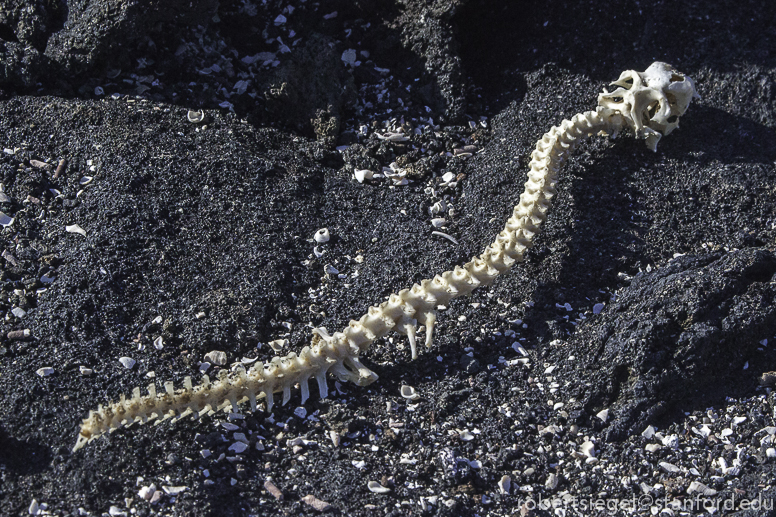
216, 357
277, 345
465, 436
85, 180
73, 228
363, 174
5, 220
504, 484
322, 235
408, 392
588, 449
195, 117
45, 371
159, 343
377, 488
127, 362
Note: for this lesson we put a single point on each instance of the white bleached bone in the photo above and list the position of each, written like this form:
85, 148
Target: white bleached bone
649, 103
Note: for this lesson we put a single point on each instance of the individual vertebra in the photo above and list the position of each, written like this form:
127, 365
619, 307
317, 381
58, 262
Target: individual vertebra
649, 103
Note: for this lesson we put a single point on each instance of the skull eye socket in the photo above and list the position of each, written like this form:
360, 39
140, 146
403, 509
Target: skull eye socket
627, 83
672, 119
617, 99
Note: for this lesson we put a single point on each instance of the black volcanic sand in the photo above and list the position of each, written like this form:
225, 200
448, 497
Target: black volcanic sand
651, 292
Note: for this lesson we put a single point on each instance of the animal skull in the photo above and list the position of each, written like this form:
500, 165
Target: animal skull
651, 101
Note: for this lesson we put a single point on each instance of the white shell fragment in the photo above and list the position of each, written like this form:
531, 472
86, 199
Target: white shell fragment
603, 415
700, 488
408, 392
174, 490
465, 436
322, 235
159, 343
216, 357
5, 220
85, 371
588, 449
74, 228
377, 488
669, 467
127, 362
277, 345
45, 371
195, 117
504, 484
363, 174
85, 180
146, 492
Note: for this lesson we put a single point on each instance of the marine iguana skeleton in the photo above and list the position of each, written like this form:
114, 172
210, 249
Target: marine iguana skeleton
649, 103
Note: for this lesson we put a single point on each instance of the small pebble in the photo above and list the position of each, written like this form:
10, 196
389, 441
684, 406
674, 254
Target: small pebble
270, 487
322, 235
238, 447
45, 371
